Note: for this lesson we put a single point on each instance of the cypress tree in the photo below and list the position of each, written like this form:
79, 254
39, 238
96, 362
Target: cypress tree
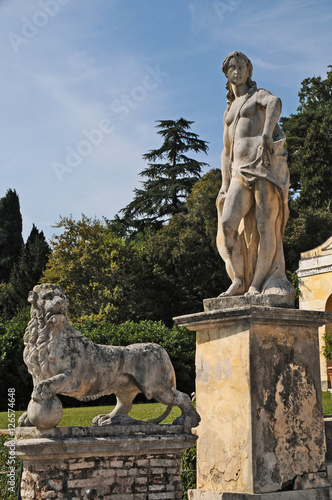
11, 241
30, 266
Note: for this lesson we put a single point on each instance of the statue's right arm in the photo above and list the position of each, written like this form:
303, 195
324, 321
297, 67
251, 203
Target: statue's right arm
225, 161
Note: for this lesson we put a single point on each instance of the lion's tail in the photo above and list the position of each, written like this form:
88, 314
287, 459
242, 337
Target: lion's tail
161, 417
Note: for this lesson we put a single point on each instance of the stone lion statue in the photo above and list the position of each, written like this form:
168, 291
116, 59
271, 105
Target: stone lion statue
63, 361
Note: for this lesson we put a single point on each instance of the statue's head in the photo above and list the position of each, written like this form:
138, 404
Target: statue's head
237, 55
225, 66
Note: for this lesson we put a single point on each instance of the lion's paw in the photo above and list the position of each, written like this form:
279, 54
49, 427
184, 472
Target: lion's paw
188, 421
41, 391
101, 420
24, 421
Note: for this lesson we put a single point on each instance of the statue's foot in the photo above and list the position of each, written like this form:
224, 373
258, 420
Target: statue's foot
252, 291
236, 288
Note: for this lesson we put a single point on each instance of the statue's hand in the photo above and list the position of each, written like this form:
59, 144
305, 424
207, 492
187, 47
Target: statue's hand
221, 196
267, 150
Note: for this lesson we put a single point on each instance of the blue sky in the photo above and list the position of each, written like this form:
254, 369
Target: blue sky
84, 81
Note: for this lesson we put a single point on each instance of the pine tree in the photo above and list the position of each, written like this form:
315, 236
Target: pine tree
170, 175
11, 241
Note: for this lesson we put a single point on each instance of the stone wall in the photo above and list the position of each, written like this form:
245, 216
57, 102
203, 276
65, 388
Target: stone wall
135, 462
142, 477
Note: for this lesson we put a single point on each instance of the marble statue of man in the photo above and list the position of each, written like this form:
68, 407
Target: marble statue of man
253, 200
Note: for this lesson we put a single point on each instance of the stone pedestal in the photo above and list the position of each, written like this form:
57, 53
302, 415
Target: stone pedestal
139, 462
258, 393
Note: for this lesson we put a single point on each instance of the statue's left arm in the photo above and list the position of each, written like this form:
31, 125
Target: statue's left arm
272, 105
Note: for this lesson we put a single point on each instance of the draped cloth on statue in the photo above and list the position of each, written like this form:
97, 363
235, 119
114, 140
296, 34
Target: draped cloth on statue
277, 173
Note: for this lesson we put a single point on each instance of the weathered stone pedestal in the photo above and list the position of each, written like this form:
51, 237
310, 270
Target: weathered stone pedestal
258, 394
139, 462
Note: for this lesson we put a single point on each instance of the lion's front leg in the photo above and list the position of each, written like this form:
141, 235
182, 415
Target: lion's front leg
54, 385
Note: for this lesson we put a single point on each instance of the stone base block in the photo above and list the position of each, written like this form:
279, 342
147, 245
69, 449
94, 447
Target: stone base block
136, 462
313, 494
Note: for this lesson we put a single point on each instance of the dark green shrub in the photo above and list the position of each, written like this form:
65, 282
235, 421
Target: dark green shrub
13, 372
188, 470
327, 347
5, 492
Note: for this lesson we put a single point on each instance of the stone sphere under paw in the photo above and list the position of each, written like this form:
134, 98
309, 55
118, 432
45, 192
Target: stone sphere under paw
46, 413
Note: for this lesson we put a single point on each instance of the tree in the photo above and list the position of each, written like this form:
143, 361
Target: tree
170, 175
309, 144
181, 260
306, 228
11, 241
96, 269
30, 266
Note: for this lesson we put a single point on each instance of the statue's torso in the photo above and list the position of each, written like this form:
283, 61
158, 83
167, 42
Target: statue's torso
245, 122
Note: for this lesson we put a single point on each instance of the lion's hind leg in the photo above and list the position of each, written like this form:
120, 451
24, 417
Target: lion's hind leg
189, 417
124, 403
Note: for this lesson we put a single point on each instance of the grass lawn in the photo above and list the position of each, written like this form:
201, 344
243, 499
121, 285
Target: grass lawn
327, 403
83, 416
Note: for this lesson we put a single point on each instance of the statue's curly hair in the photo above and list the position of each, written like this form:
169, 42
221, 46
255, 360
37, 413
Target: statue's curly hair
252, 85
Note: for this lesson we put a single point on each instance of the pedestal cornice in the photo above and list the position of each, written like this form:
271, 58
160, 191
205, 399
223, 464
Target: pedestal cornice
253, 314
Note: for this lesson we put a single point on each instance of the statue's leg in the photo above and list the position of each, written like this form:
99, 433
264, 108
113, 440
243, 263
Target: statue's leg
238, 202
171, 396
124, 403
267, 208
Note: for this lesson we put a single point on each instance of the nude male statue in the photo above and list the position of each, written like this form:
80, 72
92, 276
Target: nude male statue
252, 203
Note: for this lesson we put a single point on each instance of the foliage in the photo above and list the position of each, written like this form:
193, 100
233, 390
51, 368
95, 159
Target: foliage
7, 300
327, 347
305, 229
5, 494
11, 240
13, 372
188, 472
96, 269
20, 265
170, 176
30, 266
309, 143
186, 266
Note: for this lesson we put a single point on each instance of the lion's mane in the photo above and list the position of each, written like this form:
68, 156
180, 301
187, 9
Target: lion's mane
40, 338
